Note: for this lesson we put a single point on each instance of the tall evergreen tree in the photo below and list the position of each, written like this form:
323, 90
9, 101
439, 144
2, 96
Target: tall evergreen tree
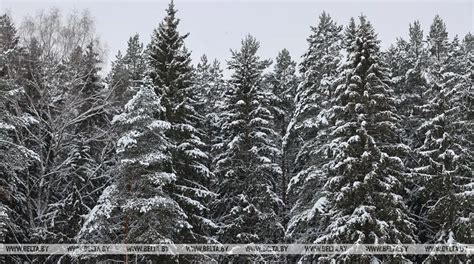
283, 83
118, 81
134, 58
8, 45
361, 146
11, 159
171, 72
410, 74
209, 91
438, 38
365, 178
309, 125
416, 39
445, 156
15, 157
247, 207
127, 68
139, 206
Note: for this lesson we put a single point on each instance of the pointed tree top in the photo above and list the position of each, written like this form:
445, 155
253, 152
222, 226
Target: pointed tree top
8, 34
250, 45
134, 39
325, 23
119, 55
365, 25
134, 46
350, 33
284, 53
283, 60
324, 17
415, 31
438, 26
204, 59
438, 29
351, 28
171, 10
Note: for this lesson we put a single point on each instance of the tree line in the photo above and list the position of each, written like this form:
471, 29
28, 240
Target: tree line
354, 145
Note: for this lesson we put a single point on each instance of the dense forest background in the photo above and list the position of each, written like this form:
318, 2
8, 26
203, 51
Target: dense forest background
353, 145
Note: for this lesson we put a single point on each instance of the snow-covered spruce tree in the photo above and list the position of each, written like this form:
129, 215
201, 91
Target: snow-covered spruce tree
468, 48
408, 62
247, 207
468, 43
445, 156
308, 127
209, 92
171, 72
8, 146
139, 206
365, 177
15, 158
282, 82
126, 68
118, 79
438, 38
438, 44
443, 66
134, 58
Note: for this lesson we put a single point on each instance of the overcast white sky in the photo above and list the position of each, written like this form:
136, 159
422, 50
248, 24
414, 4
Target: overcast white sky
217, 26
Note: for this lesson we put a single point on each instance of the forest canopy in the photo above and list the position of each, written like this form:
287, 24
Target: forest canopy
355, 144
